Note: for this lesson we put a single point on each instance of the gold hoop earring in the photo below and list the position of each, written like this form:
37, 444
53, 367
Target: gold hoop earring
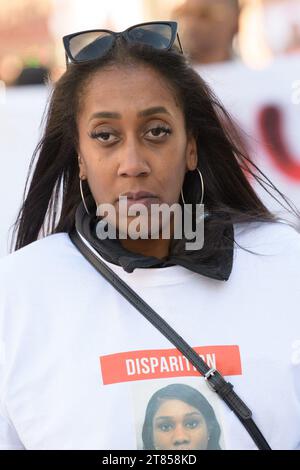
202, 189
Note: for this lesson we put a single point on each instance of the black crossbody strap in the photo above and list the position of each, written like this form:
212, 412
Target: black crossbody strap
213, 378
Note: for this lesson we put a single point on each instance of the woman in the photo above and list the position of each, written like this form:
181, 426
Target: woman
179, 417
131, 117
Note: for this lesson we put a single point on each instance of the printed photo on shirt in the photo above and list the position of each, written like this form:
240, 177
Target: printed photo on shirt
174, 415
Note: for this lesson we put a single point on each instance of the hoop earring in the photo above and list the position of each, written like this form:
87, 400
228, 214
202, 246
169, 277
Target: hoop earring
82, 197
202, 188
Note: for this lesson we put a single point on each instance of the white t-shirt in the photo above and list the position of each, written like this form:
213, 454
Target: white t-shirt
79, 364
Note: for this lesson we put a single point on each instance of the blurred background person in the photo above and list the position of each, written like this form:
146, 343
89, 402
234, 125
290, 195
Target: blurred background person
25, 40
281, 20
208, 29
269, 29
33, 73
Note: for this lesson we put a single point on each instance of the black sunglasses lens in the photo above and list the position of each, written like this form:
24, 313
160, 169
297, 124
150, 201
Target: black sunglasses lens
156, 35
89, 46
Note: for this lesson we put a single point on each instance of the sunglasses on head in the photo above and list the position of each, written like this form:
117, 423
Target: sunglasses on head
90, 45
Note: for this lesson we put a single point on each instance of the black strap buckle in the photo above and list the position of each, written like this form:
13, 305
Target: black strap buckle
207, 376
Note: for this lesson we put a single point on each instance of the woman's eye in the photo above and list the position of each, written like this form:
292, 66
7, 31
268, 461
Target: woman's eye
155, 133
159, 131
165, 427
192, 424
103, 136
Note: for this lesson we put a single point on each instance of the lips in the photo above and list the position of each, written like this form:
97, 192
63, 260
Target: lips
138, 195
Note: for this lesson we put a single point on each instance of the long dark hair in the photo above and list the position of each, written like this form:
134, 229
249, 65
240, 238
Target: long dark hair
52, 193
188, 395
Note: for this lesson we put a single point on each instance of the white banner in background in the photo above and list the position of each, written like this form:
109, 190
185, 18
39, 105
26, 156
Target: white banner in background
266, 104
20, 117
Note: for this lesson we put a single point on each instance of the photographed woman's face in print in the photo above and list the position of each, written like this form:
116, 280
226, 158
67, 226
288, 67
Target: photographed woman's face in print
132, 137
177, 425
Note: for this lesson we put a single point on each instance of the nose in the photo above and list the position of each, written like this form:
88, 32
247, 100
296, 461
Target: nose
180, 436
132, 161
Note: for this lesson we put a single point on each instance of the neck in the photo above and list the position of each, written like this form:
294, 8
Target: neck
157, 248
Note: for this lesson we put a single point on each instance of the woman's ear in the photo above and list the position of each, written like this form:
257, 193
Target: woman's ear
191, 154
82, 168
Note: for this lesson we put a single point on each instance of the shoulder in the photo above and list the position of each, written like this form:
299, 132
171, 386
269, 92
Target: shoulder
268, 238
33, 258
267, 254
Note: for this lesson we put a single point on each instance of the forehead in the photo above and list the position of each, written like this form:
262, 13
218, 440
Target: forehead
175, 407
124, 88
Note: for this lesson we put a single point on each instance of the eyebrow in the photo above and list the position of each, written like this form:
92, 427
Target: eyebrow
187, 414
143, 113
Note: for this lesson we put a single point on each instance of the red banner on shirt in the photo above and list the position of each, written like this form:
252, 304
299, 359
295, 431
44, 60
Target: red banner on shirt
162, 363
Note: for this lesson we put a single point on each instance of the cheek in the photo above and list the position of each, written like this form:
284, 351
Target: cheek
173, 180
100, 179
98, 172
200, 437
162, 439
